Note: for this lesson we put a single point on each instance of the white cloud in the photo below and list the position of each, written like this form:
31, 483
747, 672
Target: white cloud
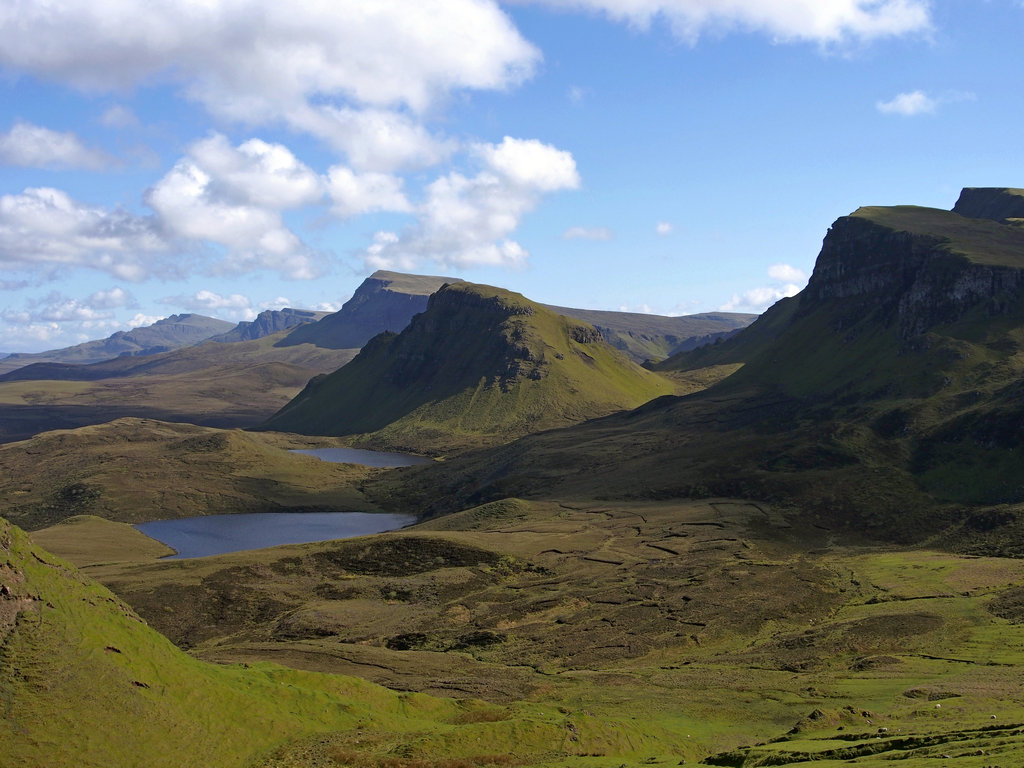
908, 104
354, 194
821, 21
264, 61
56, 316
141, 320
32, 146
530, 164
279, 303
373, 139
588, 233
920, 103
233, 197
119, 116
235, 305
663, 228
44, 229
787, 273
467, 221
256, 173
789, 281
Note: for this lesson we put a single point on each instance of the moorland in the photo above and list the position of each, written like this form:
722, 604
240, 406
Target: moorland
798, 544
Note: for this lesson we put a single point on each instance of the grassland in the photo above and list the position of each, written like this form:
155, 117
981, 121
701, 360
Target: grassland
135, 470
716, 632
481, 366
222, 385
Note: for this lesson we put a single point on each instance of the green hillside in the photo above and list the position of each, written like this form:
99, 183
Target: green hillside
85, 682
481, 365
136, 470
885, 398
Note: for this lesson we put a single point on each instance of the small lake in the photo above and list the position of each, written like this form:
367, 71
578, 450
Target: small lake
220, 534
366, 458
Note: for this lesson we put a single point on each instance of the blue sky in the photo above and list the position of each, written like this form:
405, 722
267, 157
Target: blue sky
668, 156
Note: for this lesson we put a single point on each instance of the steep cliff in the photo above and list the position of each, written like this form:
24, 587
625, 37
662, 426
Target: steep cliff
997, 203
480, 365
269, 322
385, 301
885, 398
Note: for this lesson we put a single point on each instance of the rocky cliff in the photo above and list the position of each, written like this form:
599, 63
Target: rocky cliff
385, 301
994, 203
479, 365
269, 322
916, 268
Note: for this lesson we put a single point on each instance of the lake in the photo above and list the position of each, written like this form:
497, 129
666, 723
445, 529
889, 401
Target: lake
366, 458
220, 534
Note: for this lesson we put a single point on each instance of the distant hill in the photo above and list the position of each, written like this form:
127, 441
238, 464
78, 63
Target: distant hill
385, 301
170, 333
886, 397
654, 337
220, 385
480, 365
268, 322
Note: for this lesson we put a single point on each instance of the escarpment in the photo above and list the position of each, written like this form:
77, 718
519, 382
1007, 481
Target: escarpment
479, 364
915, 268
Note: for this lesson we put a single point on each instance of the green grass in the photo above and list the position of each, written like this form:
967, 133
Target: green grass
482, 365
980, 240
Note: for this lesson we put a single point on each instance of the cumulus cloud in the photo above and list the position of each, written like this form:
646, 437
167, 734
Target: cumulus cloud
825, 22
306, 65
234, 197
466, 221
588, 233
908, 104
32, 146
353, 194
234, 305
920, 103
788, 281
119, 116
44, 229
663, 228
56, 316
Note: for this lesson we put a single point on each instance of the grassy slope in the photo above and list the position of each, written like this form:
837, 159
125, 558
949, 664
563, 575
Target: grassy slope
484, 365
649, 632
84, 682
134, 470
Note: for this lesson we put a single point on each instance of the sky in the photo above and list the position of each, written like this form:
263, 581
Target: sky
665, 156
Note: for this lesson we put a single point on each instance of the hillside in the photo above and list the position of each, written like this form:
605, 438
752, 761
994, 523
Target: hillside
268, 322
172, 332
85, 682
385, 301
136, 470
221, 385
480, 365
885, 398
654, 337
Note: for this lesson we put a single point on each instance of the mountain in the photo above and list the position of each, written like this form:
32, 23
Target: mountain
654, 337
170, 333
885, 398
480, 365
268, 322
219, 385
385, 301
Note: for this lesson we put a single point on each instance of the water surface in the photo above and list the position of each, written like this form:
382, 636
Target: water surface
366, 458
219, 534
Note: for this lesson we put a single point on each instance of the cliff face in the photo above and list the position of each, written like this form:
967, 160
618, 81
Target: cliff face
385, 301
993, 203
479, 365
911, 280
268, 322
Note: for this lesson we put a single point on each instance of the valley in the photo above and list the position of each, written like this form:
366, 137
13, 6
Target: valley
799, 544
